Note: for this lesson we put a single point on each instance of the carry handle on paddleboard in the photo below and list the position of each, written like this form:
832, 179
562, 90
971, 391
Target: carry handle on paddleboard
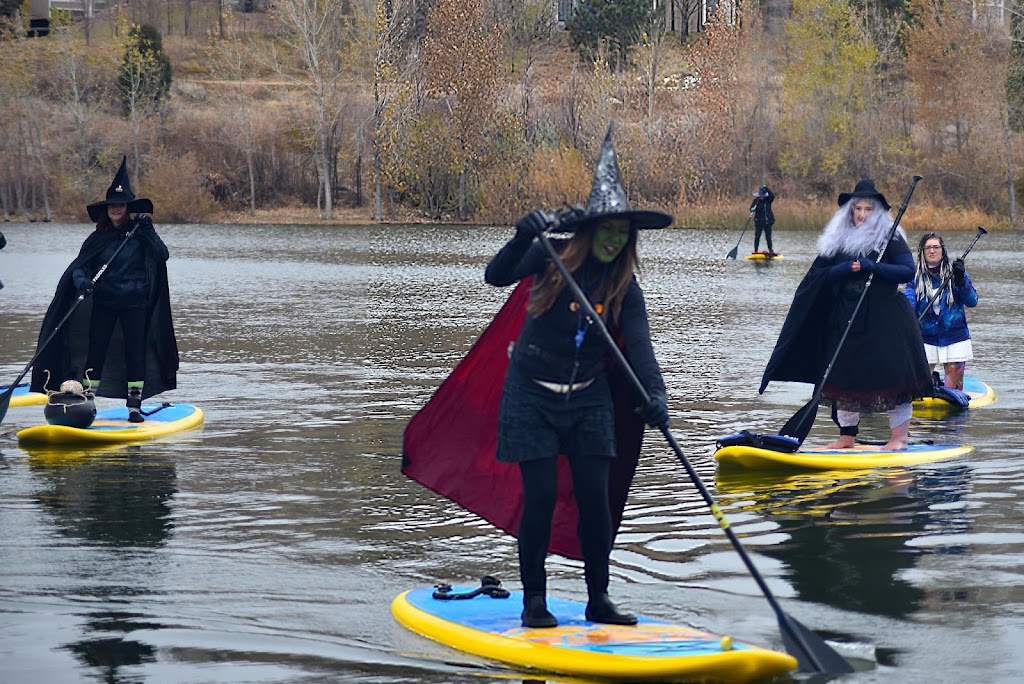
5, 398
945, 281
810, 650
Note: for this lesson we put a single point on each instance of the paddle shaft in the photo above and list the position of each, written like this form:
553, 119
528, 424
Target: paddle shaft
732, 252
5, 399
811, 407
588, 309
945, 281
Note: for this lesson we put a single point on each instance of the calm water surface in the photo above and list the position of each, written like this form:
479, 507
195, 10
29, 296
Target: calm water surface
267, 546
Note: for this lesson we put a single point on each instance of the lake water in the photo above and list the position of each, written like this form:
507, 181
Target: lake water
267, 546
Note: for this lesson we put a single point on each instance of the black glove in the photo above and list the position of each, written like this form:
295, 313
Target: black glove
87, 287
959, 273
531, 225
655, 411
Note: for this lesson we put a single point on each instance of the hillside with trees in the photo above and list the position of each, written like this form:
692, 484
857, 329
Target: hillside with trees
480, 110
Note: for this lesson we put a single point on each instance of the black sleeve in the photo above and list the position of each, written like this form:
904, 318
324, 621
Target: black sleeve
637, 333
150, 241
520, 257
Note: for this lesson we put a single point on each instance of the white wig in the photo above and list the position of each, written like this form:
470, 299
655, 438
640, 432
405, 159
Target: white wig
841, 236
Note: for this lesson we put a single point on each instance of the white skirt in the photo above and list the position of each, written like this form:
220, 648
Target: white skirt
954, 353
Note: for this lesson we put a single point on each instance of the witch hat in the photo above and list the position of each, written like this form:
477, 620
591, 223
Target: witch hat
864, 189
608, 196
120, 192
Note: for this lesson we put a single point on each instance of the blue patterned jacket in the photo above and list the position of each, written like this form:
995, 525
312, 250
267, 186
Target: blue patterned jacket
949, 326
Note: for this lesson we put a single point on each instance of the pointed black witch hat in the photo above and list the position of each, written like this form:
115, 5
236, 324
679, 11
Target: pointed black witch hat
120, 192
608, 197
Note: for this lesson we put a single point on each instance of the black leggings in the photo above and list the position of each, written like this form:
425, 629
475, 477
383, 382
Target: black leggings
767, 236
133, 328
540, 493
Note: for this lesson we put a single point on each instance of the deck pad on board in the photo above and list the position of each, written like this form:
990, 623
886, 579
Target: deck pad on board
112, 426
651, 650
820, 458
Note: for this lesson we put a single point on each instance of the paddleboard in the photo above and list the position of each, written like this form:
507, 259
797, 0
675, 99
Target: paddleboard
763, 256
820, 458
112, 427
22, 397
648, 651
980, 394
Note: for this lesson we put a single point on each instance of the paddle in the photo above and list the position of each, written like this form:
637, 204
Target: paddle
732, 252
945, 281
812, 653
5, 399
800, 424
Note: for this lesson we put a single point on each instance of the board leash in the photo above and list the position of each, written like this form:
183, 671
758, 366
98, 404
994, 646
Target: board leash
489, 586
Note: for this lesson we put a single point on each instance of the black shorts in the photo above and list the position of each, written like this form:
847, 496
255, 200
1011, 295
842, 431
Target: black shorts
534, 422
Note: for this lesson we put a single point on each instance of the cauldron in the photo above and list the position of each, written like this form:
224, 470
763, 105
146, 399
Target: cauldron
70, 409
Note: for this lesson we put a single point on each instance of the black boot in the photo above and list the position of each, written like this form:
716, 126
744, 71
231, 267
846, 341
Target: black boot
535, 612
601, 609
134, 404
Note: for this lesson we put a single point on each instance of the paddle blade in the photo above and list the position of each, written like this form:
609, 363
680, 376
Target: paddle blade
5, 402
810, 650
800, 424
732, 253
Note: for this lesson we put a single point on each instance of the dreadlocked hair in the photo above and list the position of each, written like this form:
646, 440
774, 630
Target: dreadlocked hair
612, 289
924, 288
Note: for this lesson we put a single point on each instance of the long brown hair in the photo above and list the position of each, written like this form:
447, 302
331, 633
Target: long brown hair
613, 288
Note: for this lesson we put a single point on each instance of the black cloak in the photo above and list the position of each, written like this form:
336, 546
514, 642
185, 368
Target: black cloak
882, 361
65, 355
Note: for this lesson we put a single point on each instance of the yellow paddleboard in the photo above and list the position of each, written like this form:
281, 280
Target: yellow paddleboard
22, 397
652, 650
820, 458
763, 256
112, 427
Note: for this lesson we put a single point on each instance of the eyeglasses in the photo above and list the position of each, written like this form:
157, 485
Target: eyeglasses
932, 248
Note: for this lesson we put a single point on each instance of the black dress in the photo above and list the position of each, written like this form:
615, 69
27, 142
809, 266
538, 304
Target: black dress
881, 363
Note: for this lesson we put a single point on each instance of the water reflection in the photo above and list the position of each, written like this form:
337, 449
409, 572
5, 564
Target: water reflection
848, 531
117, 498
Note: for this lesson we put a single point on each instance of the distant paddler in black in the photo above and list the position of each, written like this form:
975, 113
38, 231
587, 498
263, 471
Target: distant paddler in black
557, 398
120, 341
764, 217
881, 364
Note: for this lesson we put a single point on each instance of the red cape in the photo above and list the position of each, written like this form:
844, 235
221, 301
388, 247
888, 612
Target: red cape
450, 444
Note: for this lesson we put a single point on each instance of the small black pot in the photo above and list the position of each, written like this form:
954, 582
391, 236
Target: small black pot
69, 409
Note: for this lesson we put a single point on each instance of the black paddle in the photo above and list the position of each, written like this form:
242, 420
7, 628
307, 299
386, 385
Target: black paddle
800, 424
5, 398
945, 281
810, 650
732, 252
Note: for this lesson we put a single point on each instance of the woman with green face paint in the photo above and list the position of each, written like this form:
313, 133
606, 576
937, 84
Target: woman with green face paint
558, 393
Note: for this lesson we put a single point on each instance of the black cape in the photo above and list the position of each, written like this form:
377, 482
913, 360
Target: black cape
65, 356
881, 363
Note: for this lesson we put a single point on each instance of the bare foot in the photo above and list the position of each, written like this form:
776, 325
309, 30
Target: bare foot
898, 437
844, 442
